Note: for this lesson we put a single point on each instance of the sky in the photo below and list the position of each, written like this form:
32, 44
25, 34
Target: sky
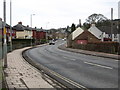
56, 13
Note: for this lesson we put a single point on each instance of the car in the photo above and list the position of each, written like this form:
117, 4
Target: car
51, 42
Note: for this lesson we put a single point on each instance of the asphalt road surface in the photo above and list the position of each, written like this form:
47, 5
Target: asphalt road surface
89, 71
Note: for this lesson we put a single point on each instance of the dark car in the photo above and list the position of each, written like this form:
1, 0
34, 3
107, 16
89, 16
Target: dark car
51, 42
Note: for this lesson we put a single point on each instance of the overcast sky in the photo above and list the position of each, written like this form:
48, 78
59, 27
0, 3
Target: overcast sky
57, 13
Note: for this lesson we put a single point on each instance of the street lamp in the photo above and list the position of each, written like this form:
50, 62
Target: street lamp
47, 31
10, 25
31, 26
5, 40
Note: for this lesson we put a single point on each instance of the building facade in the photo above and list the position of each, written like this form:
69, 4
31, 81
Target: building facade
23, 32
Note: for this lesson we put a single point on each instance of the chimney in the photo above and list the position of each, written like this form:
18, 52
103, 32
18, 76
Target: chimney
27, 25
80, 22
0, 19
111, 13
20, 23
92, 25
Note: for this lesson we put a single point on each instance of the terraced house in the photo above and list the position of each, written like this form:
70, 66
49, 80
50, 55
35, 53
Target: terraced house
22, 32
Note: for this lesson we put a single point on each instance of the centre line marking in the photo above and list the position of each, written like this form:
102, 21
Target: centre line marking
98, 65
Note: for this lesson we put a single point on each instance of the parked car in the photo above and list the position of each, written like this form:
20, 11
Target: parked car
51, 42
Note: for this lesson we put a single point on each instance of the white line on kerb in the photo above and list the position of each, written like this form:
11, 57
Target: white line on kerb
98, 65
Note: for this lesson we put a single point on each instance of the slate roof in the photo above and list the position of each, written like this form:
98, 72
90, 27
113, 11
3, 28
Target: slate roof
27, 28
19, 27
95, 31
77, 32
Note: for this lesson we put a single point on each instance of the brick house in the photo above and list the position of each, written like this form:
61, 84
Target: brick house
39, 35
80, 36
7, 30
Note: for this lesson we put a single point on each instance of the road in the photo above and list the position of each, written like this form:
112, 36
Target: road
89, 71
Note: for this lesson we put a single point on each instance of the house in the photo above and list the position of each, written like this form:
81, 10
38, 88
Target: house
34, 33
40, 34
96, 32
112, 33
60, 33
23, 32
80, 36
20, 33
8, 32
28, 32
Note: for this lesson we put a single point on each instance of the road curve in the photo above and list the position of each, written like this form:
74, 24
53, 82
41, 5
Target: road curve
89, 71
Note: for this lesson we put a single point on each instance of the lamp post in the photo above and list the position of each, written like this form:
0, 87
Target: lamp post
47, 31
31, 26
10, 25
4, 32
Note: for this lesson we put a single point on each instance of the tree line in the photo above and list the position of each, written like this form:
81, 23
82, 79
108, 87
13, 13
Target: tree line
97, 19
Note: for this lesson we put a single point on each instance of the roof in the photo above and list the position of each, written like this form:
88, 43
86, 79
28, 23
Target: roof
39, 30
95, 31
77, 32
19, 27
86, 35
27, 28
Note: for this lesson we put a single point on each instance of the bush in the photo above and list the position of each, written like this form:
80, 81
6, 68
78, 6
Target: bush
106, 47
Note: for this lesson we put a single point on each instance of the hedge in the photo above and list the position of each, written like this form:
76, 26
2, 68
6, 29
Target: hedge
106, 47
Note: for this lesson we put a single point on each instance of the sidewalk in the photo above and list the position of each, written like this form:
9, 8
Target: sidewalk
21, 75
99, 54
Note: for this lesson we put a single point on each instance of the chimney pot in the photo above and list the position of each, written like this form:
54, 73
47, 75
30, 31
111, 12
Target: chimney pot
20, 23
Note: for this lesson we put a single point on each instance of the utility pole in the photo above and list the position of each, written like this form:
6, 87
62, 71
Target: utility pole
112, 23
31, 26
5, 40
10, 26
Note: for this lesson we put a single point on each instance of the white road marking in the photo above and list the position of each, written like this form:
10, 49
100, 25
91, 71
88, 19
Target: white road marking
65, 57
69, 58
116, 60
98, 65
73, 59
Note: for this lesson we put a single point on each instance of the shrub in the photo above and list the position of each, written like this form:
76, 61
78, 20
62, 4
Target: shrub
107, 47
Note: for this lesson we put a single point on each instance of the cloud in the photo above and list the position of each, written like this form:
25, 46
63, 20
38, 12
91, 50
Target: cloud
59, 13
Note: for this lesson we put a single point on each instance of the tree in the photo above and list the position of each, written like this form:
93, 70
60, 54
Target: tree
73, 28
98, 19
95, 18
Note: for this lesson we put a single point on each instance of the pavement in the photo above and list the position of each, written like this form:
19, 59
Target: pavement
99, 54
19, 74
